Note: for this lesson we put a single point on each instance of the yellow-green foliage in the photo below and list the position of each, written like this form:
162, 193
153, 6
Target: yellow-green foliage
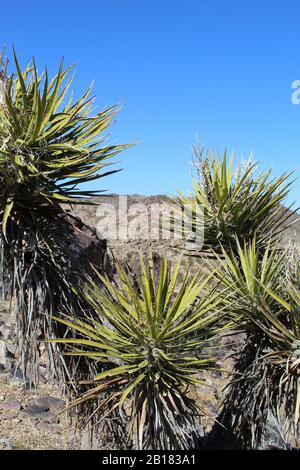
153, 334
237, 204
49, 143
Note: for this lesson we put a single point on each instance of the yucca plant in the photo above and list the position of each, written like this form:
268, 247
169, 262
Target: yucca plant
265, 375
153, 334
283, 358
236, 204
243, 222
49, 145
266, 384
245, 274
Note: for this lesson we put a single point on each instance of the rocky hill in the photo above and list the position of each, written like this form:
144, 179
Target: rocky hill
144, 209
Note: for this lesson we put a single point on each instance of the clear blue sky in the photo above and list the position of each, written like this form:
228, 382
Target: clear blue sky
222, 69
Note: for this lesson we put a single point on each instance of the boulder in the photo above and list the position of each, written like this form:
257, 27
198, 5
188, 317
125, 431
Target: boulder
89, 249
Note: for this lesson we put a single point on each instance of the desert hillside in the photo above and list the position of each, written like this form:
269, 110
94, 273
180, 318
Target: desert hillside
127, 249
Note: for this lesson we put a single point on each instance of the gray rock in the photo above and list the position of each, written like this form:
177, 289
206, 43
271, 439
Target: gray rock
89, 249
13, 405
47, 427
49, 418
53, 404
34, 410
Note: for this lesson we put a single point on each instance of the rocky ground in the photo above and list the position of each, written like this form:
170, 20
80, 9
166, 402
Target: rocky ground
30, 417
34, 417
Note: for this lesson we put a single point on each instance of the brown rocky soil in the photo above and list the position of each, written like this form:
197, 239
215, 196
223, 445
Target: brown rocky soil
34, 417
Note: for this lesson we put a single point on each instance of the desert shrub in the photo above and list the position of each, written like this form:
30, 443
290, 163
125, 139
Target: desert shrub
243, 224
263, 303
49, 145
236, 204
247, 276
154, 336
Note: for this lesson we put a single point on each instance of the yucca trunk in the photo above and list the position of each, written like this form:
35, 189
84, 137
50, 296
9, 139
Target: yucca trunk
42, 263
